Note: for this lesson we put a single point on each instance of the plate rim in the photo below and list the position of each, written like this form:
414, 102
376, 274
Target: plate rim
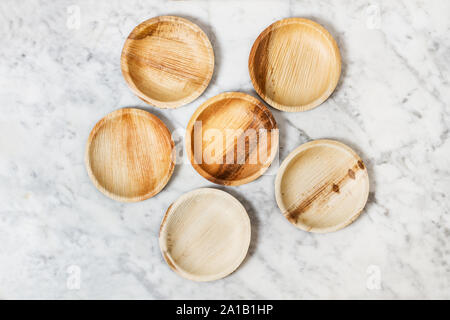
163, 231
287, 161
185, 100
92, 135
280, 23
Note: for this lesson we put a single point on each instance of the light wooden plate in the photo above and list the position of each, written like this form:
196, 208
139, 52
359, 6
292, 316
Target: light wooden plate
294, 64
232, 148
130, 155
205, 235
322, 186
167, 61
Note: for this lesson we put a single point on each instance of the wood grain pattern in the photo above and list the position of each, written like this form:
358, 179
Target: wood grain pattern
130, 155
234, 115
205, 235
167, 61
322, 186
294, 64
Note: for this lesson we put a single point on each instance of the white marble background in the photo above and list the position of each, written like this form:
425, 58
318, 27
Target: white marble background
58, 78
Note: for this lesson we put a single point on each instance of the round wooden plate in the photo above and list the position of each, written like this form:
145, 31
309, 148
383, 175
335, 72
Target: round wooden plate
130, 155
322, 186
167, 61
205, 235
294, 64
237, 140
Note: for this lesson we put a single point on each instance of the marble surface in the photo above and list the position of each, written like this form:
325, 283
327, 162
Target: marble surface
62, 239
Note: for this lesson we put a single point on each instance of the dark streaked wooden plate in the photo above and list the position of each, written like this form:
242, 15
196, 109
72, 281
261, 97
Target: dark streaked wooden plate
221, 152
294, 64
167, 61
130, 155
322, 186
205, 235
